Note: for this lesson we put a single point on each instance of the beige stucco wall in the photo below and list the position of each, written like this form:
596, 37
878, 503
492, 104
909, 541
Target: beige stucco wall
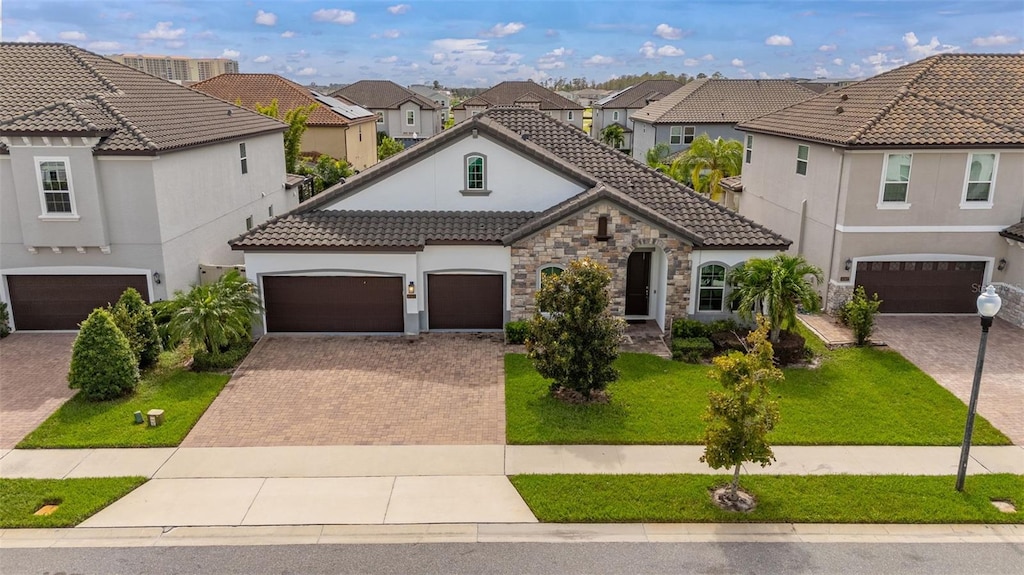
361, 144
330, 140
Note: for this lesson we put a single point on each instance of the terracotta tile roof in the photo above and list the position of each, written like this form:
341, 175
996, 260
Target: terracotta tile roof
732, 183
381, 229
57, 88
512, 92
708, 101
1014, 232
262, 89
944, 100
382, 95
640, 95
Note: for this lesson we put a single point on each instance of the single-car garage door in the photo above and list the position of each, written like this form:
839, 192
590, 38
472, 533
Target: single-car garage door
42, 302
334, 304
923, 287
457, 301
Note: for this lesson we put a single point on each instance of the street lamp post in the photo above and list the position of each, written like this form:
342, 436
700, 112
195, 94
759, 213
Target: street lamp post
988, 306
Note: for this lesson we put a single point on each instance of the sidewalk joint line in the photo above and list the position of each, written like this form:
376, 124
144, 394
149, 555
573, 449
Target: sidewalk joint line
241, 522
90, 451
387, 508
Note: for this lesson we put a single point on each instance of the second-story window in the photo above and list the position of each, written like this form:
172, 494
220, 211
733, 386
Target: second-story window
475, 172
802, 153
675, 135
410, 117
244, 158
380, 117
688, 134
55, 187
749, 152
981, 175
615, 116
896, 179
570, 115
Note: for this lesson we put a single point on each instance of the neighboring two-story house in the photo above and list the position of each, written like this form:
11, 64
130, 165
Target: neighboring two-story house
617, 108
709, 106
443, 99
111, 177
401, 113
530, 95
910, 183
338, 129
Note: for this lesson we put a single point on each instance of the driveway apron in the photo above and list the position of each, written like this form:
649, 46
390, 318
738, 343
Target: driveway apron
33, 381
946, 348
435, 389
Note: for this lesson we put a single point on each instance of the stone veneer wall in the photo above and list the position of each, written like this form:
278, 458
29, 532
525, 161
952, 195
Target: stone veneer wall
573, 238
1012, 309
837, 296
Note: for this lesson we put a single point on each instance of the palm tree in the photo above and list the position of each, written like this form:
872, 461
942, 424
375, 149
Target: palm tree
657, 155
216, 315
614, 136
707, 161
773, 287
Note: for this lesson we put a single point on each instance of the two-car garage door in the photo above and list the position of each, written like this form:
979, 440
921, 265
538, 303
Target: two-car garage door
61, 302
923, 286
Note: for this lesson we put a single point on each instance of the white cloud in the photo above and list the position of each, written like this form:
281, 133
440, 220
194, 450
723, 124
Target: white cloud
837, 61
471, 59
707, 57
667, 32
335, 15
287, 34
387, 60
72, 35
821, 72
174, 43
229, 53
104, 46
266, 18
502, 30
737, 62
30, 36
649, 51
881, 62
390, 34
553, 59
307, 71
785, 75
916, 48
855, 70
598, 60
399, 8
163, 31
777, 40
827, 48
691, 62
996, 40
261, 59
764, 75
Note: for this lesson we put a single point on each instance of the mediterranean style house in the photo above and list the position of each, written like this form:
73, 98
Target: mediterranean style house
457, 232
529, 95
339, 129
111, 177
910, 183
401, 113
616, 108
709, 106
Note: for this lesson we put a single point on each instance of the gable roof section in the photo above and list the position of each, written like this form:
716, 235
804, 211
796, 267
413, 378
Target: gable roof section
944, 100
709, 101
640, 95
382, 95
510, 92
253, 89
61, 89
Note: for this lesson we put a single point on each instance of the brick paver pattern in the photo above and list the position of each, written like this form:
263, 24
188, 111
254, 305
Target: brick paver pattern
946, 347
33, 381
435, 389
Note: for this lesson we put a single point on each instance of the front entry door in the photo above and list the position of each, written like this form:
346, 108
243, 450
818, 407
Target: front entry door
638, 283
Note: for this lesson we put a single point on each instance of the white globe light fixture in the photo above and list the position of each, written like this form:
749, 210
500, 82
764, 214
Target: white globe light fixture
989, 303
988, 306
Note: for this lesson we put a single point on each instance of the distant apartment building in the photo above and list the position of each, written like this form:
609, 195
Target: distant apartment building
178, 68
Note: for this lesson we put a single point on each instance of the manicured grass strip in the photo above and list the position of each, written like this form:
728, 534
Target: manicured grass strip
78, 499
781, 499
857, 396
182, 394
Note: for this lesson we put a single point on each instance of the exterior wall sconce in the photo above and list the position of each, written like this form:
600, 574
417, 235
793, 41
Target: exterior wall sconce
156, 278
410, 291
1002, 265
849, 264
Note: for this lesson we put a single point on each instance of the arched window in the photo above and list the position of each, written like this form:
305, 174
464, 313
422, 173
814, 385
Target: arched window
711, 294
548, 270
476, 172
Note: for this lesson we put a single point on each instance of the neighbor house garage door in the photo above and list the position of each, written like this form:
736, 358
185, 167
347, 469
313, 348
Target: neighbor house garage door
465, 301
334, 304
63, 302
923, 287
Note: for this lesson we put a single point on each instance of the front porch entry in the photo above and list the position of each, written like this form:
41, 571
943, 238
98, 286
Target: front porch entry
638, 284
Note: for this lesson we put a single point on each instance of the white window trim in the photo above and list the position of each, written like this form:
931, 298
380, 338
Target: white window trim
692, 135
904, 205
413, 118
466, 190
672, 135
807, 162
725, 289
542, 267
748, 149
57, 216
570, 115
964, 204
380, 117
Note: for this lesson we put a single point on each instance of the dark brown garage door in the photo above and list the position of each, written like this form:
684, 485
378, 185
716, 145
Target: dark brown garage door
63, 302
923, 287
465, 301
334, 304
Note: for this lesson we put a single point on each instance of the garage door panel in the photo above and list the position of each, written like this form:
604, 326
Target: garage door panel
465, 301
334, 304
923, 286
51, 302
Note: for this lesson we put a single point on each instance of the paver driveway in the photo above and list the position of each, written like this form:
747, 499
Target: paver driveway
33, 381
334, 390
946, 347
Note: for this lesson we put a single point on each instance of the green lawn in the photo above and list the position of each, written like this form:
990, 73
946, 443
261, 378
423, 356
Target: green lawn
785, 499
858, 396
77, 498
182, 394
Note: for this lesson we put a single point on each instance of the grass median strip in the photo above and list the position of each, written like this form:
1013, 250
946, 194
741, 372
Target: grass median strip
781, 499
75, 499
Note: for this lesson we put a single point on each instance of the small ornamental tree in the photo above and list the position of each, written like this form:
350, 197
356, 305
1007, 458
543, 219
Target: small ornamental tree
740, 417
102, 363
613, 135
388, 147
5, 318
135, 320
575, 340
859, 314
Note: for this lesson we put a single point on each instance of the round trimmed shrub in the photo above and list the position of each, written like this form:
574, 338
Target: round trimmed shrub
135, 320
102, 363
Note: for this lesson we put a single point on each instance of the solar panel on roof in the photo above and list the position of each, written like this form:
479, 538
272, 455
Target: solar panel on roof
350, 111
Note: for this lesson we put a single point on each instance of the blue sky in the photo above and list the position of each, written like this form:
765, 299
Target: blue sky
483, 42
